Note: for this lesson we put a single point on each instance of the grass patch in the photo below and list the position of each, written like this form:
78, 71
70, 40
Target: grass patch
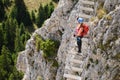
100, 13
108, 17
92, 19
34, 4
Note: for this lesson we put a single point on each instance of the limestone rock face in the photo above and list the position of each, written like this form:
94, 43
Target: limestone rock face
103, 62
101, 50
110, 5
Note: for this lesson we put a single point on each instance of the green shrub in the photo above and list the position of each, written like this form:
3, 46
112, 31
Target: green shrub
49, 47
54, 62
38, 41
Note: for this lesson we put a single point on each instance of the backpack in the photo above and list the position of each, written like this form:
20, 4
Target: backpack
85, 29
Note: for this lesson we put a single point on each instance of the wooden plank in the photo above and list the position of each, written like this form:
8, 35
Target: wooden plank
72, 76
86, 9
85, 16
76, 61
73, 68
87, 2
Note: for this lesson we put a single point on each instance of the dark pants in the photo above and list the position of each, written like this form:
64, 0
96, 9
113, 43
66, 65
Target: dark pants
79, 43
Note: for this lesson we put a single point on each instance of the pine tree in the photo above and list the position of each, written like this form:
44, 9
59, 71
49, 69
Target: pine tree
40, 17
5, 39
46, 11
51, 8
7, 70
24, 36
20, 38
17, 40
15, 75
5, 63
1, 37
22, 29
14, 12
6, 2
21, 13
33, 16
2, 10
9, 27
27, 36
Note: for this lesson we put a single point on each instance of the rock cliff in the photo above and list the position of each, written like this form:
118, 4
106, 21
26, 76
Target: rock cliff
100, 50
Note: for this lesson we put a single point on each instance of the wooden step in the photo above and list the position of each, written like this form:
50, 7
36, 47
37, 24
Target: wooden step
73, 68
87, 2
85, 16
76, 61
86, 9
79, 56
72, 76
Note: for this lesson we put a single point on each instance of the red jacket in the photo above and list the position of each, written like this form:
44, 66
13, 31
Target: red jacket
79, 30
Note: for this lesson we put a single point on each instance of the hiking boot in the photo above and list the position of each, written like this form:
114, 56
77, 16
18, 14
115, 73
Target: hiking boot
79, 51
